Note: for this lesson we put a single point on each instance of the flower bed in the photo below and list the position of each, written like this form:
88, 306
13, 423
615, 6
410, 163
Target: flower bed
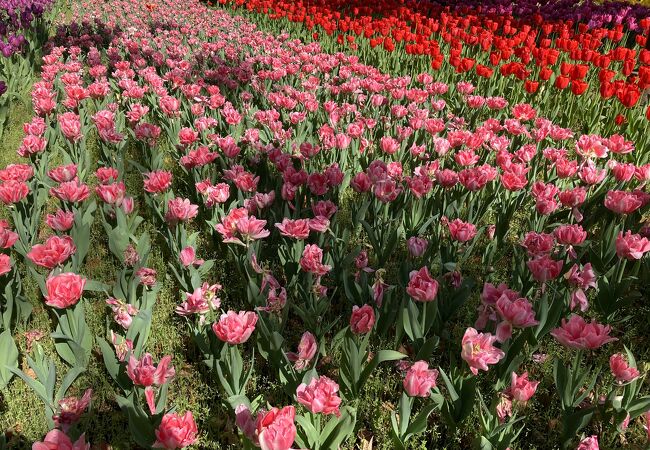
312, 232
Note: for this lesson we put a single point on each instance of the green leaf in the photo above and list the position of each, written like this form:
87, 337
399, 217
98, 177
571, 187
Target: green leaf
337, 430
380, 357
419, 424
8, 358
67, 381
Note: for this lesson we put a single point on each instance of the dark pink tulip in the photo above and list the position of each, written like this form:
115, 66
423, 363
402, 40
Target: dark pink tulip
422, 286
362, 319
545, 268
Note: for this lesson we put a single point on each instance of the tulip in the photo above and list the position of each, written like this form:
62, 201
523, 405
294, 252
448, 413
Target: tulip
631, 246
235, 328
422, 287
276, 429
320, 396
55, 251
478, 350
64, 290
420, 379
176, 431
521, 388
577, 333
58, 440
362, 319
588, 443
621, 369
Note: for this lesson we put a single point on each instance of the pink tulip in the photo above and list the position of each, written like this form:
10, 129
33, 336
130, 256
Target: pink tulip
362, 319
188, 257
570, 234
235, 328
312, 260
621, 370
578, 334
7, 237
504, 408
58, 440
276, 429
307, 349
202, 300
521, 388
296, 229
64, 290
158, 181
538, 244
122, 312
143, 372
13, 191
5, 264
320, 396
518, 314
573, 197
62, 174
389, 145
589, 443
176, 431
461, 231
623, 202
107, 175
180, 210
71, 409
17, 172
70, 126
479, 351
422, 287
631, 246
545, 268
187, 136
420, 379
55, 251
319, 224
71, 191
61, 220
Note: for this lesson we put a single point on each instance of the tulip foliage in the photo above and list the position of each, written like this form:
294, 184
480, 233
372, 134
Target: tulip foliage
326, 228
